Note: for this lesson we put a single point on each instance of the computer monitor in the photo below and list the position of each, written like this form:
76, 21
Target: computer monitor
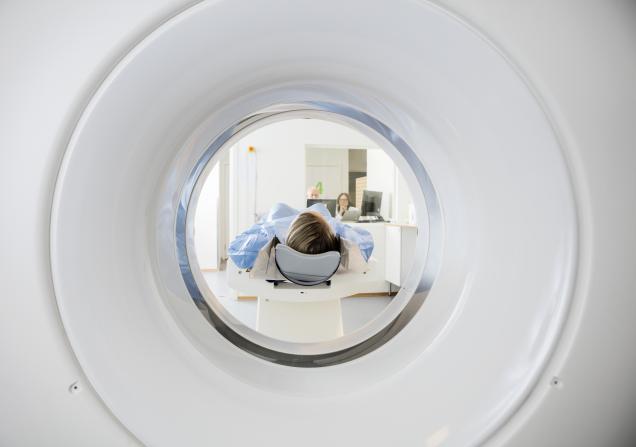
371, 203
329, 203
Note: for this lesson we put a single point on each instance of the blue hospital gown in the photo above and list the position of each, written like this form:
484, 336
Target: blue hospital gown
244, 249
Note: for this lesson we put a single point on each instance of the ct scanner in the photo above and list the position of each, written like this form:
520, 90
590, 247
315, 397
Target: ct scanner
514, 125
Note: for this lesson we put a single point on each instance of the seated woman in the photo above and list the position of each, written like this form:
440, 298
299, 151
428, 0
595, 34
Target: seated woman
312, 231
343, 207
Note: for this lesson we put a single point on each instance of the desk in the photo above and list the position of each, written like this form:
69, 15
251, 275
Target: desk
375, 281
394, 249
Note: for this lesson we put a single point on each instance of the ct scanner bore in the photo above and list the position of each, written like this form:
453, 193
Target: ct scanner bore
483, 255
510, 247
403, 307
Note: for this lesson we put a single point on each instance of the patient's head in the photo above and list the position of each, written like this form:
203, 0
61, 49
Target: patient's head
310, 233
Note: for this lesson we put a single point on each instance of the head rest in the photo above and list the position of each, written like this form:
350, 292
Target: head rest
304, 269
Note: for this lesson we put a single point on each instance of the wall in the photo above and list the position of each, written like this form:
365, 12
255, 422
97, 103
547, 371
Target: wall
329, 166
280, 163
243, 188
402, 199
205, 222
381, 177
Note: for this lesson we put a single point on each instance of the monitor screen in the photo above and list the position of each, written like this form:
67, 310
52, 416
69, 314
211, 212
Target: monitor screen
371, 203
330, 203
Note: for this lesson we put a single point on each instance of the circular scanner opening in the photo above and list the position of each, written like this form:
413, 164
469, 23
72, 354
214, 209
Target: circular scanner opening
253, 187
509, 230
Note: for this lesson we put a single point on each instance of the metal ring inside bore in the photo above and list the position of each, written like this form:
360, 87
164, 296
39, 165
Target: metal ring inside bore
293, 354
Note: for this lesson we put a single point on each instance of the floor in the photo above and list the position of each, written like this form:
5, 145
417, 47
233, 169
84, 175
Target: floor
356, 311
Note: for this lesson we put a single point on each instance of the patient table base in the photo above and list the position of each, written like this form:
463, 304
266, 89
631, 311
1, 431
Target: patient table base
299, 321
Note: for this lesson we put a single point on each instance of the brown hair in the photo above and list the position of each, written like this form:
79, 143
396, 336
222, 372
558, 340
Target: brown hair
310, 233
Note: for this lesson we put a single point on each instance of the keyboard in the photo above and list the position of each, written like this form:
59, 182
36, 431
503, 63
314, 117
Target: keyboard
370, 219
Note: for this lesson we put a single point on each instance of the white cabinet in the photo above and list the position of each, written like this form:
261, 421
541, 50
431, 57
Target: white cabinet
376, 282
399, 248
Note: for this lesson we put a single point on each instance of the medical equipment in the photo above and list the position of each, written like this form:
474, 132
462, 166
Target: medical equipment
512, 122
304, 269
307, 308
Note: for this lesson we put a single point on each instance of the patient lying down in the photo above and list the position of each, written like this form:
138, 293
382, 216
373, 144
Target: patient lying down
313, 231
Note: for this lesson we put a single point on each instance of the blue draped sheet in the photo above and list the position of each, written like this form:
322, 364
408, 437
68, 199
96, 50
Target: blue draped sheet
244, 249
